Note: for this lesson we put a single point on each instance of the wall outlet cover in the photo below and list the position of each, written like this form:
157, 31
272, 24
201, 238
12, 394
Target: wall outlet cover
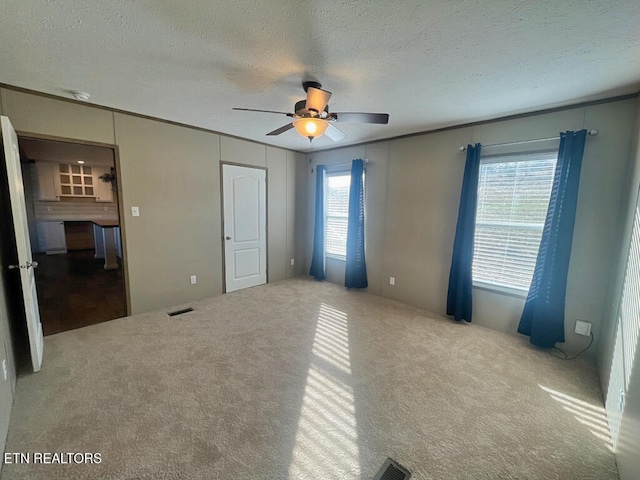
193, 280
135, 211
392, 280
293, 262
583, 328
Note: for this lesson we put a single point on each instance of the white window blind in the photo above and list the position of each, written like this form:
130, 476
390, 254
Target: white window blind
630, 301
625, 347
513, 197
337, 214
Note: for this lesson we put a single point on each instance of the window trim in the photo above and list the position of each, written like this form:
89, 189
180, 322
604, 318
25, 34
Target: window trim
501, 289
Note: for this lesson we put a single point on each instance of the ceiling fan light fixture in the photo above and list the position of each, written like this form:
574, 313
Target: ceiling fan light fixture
310, 127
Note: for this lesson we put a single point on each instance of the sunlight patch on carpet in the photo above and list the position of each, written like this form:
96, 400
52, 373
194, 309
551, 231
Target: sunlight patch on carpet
592, 416
326, 439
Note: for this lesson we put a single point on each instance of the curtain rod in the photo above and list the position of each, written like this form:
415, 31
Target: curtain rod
366, 160
591, 133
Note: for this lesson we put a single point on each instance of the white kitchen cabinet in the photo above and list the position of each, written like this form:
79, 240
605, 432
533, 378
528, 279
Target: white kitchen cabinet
52, 236
57, 180
48, 181
103, 191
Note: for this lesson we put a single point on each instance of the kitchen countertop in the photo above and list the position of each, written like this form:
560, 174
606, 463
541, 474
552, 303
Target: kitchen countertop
97, 221
106, 223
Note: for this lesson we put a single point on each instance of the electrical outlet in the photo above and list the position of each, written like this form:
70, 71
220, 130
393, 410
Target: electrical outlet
49, 209
193, 280
620, 400
392, 280
105, 208
583, 328
293, 262
135, 211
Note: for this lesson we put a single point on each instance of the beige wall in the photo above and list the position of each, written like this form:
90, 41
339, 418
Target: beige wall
285, 213
421, 215
277, 222
47, 116
611, 367
172, 174
625, 221
298, 166
413, 189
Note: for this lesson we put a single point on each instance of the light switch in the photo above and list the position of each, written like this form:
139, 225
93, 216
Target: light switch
135, 212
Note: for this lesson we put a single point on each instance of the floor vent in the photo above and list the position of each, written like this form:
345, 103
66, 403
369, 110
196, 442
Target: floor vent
392, 470
180, 312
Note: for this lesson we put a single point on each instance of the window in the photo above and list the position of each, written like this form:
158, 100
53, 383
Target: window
338, 184
629, 313
513, 197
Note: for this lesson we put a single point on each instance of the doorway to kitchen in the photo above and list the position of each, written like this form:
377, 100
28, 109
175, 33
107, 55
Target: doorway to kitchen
71, 197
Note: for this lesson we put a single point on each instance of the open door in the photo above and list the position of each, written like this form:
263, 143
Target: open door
25, 262
245, 226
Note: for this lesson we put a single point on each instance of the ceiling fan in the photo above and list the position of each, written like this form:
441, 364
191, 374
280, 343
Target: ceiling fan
312, 118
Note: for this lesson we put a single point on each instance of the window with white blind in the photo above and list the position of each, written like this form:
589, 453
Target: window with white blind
629, 314
513, 197
337, 189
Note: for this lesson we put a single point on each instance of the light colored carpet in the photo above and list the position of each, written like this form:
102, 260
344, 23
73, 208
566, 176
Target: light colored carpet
305, 380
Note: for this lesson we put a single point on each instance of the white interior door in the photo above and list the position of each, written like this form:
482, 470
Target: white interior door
21, 228
245, 226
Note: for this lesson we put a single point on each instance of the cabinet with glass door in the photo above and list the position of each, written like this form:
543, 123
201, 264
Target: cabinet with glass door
76, 181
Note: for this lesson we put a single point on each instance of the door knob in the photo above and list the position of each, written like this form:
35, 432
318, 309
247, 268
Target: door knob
227, 238
28, 265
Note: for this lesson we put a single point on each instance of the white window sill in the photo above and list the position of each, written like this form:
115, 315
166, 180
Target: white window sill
332, 256
501, 289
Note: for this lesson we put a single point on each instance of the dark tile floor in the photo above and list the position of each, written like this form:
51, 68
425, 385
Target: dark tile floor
74, 290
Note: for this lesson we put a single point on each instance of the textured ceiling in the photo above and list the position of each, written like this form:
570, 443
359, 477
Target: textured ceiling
428, 64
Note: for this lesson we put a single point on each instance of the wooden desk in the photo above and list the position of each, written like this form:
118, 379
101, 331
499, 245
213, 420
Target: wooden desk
106, 236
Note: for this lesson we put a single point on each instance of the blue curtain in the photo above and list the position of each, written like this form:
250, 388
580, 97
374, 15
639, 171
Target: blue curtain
543, 315
317, 261
355, 275
459, 303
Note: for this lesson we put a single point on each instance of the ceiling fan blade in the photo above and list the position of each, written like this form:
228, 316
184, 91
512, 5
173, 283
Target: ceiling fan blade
334, 133
355, 117
280, 130
265, 111
317, 99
